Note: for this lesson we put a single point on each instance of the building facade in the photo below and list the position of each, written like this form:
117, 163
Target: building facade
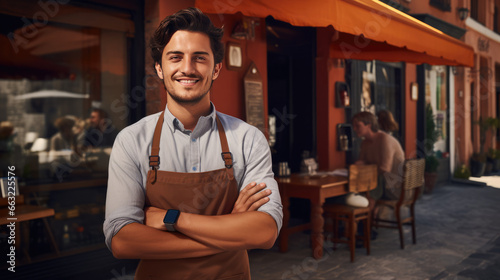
315, 70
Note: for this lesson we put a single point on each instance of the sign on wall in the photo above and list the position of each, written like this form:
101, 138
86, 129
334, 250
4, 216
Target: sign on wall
254, 99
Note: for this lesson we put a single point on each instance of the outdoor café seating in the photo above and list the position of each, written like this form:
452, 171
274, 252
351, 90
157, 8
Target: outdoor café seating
413, 181
362, 179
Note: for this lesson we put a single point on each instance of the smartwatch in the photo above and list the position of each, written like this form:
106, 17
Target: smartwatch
171, 218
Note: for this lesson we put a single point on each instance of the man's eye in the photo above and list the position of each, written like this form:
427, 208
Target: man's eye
201, 58
175, 57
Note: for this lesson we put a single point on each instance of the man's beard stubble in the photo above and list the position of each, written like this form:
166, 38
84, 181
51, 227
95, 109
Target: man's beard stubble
185, 101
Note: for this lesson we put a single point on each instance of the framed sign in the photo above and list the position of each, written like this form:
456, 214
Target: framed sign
234, 56
414, 91
254, 99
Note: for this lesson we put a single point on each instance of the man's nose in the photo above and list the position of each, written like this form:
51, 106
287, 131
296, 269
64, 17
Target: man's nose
187, 66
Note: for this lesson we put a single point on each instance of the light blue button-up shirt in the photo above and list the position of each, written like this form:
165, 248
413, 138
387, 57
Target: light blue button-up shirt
183, 150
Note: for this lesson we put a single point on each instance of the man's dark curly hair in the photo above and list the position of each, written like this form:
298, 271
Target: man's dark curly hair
190, 19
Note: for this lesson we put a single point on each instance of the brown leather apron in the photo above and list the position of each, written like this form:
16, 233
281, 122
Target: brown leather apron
205, 193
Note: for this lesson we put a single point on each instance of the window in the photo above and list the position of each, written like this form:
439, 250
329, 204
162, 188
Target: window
477, 11
436, 94
443, 5
495, 19
472, 110
63, 88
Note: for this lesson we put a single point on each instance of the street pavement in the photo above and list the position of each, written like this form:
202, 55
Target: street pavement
458, 237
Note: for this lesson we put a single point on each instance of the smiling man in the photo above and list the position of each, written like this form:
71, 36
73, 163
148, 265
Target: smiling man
190, 189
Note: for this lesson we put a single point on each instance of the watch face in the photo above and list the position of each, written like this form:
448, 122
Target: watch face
171, 216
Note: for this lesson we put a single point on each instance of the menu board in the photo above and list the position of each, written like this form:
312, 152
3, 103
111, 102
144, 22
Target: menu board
254, 99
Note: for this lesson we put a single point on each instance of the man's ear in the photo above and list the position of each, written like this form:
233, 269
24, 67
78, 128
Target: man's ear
159, 71
216, 71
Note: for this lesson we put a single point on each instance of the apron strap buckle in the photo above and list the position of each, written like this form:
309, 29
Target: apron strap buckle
227, 157
154, 161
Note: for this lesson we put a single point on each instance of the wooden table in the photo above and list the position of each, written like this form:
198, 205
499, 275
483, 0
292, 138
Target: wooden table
22, 213
316, 189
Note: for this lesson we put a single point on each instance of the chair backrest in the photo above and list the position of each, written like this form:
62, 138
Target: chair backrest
414, 173
362, 178
413, 180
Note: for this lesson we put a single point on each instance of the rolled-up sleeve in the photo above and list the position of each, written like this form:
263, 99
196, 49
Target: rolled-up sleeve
258, 168
126, 193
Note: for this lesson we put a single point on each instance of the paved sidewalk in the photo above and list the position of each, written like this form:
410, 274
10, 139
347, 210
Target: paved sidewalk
458, 237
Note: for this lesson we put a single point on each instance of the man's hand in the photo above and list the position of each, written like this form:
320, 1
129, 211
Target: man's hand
251, 198
359, 162
153, 217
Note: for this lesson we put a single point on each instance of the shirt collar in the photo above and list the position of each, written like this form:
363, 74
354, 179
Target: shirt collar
204, 124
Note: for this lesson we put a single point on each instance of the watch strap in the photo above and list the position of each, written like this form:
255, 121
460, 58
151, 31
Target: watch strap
170, 227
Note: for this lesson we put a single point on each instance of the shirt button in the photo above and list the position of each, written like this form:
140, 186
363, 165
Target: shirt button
194, 139
194, 168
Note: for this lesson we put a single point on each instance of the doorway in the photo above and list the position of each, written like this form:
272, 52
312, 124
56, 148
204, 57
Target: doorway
291, 53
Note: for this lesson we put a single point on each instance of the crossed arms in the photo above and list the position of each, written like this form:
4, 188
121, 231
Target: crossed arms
200, 235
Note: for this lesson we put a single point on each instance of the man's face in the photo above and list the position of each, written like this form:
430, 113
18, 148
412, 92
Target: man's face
361, 129
95, 119
187, 67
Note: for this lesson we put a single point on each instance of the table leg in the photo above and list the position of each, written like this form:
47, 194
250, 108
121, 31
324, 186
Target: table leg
318, 223
283, 238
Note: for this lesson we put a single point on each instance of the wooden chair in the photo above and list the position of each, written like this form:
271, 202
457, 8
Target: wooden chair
362, 178
24, 212
413, 181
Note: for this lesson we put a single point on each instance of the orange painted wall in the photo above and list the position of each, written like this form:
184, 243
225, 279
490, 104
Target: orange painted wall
410, 112
327, 115
227, 92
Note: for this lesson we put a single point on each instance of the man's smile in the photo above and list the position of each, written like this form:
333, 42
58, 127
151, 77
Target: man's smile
187, 82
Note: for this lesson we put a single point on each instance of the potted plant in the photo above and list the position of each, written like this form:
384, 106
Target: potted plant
430, 175
461, 172
478, 164
493, 155
493, 158
431, 161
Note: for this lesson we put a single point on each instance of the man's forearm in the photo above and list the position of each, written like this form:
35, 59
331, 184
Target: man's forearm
137, 241
248, 230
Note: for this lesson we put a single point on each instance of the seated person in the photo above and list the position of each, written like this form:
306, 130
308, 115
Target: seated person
386, 121
101, 133
64, 139
79, 130
381, 149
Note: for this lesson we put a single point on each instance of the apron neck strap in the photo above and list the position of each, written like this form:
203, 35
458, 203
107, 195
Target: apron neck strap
227, 157
154, 158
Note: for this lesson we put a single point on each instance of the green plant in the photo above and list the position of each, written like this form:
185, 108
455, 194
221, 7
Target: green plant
493, 153
431, 134
431, 164
484, 125
480, 157
461, 172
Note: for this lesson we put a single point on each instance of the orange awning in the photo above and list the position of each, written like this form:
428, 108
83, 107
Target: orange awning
367, 29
